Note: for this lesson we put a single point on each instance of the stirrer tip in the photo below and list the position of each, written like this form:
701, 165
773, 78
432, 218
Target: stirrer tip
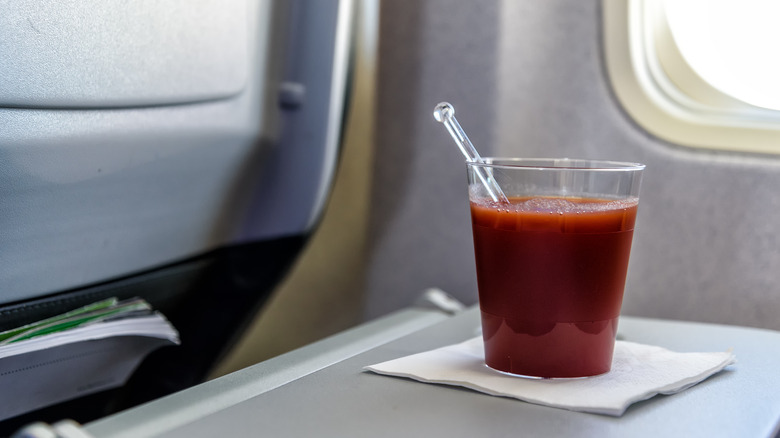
443, 111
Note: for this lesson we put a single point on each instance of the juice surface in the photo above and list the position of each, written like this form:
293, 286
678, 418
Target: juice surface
551, 273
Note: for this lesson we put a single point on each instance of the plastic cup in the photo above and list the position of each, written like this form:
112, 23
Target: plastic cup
551, 264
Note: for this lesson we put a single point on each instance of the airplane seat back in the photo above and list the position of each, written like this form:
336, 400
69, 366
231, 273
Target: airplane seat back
177, 152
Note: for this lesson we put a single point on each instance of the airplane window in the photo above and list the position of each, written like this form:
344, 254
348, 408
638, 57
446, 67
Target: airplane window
698, 73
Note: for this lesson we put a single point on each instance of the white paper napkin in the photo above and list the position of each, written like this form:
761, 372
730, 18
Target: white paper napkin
638, 373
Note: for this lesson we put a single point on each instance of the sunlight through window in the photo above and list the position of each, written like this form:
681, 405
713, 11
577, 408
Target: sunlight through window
731, 44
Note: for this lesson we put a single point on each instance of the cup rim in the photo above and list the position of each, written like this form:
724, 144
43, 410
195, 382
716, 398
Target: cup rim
573, 164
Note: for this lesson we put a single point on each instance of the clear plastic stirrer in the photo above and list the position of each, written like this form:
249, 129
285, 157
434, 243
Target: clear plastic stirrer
445, 113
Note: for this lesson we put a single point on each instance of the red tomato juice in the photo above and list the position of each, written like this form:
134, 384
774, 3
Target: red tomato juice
551, 273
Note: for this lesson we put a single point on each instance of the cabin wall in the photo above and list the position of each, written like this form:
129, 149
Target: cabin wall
528, 79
